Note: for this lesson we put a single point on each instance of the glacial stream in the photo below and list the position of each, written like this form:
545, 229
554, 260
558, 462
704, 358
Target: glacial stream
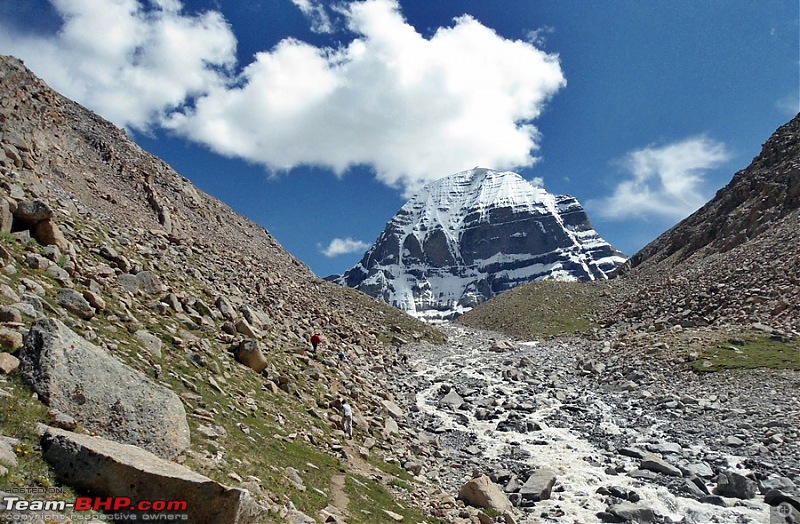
553, 417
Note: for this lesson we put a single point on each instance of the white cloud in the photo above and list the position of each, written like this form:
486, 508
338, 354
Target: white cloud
127, 61
537, 182
316, 13
538, 37
414, 109
665, 181
344, 246
790, 104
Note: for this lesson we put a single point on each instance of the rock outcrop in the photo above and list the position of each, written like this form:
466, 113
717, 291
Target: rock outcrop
104, 395
111, 469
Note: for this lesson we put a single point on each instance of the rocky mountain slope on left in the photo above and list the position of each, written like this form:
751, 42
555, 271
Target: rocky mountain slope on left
155, 344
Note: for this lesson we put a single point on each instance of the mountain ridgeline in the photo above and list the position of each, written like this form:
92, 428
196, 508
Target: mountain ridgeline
470, 236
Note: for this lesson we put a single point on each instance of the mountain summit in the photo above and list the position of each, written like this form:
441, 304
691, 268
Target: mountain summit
472, 235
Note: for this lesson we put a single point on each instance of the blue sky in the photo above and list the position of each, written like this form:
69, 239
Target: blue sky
318, 120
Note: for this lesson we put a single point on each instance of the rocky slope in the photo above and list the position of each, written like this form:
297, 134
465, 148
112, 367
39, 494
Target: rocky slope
735, 260
107, 252
470, 236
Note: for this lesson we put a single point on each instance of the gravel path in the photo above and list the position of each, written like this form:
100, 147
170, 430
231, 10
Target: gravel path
626, 439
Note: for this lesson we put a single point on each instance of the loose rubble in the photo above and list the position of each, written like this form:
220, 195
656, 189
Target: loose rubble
575, 432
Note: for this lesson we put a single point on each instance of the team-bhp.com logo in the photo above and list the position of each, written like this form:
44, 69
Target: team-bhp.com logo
114, 508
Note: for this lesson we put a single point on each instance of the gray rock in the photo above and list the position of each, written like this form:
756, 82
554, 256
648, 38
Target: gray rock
630, 512
776, 497
149, 283
145, 282
734, 442
715, 500
452, 399
104, 395
632, 452
48, 233
779, 483
6, 217
481, 492
244, 327
8, 363
110, 469
736, 485
7, 456
392, 409
249, 353
150, 341
74, 302
700, 469
539, 485
654, 463
225, 308
33, 211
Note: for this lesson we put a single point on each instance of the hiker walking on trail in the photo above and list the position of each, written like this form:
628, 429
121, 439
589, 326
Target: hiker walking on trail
347, 419
316, 338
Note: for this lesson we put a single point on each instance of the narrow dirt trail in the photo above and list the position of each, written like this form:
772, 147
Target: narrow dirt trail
358, 466
340, 498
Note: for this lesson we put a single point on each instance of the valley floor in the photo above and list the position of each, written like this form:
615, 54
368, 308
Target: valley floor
624, 437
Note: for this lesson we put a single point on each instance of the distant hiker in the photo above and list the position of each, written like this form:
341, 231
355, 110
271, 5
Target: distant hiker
347, 419
342, 357
316, 338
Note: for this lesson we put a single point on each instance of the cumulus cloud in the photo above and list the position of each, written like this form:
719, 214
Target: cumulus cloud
344, 246
413, 108
664, 181
128, 61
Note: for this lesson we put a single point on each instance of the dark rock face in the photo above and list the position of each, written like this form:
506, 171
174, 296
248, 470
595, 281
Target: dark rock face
470, 236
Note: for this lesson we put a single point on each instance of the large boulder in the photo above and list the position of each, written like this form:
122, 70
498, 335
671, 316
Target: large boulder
736, 485
539, 485
104, 468
249, 353
481, 492
104, 395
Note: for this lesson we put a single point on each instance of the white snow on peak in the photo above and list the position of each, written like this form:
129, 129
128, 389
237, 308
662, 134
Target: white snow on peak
449, 200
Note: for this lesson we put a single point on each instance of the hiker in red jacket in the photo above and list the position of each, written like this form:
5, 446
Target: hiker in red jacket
316, 338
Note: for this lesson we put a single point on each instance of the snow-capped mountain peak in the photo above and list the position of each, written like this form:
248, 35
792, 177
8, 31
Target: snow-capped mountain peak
466, 237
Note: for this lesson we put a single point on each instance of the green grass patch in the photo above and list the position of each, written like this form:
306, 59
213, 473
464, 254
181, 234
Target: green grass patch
756, 352
19, 414
369, 499
540, 309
